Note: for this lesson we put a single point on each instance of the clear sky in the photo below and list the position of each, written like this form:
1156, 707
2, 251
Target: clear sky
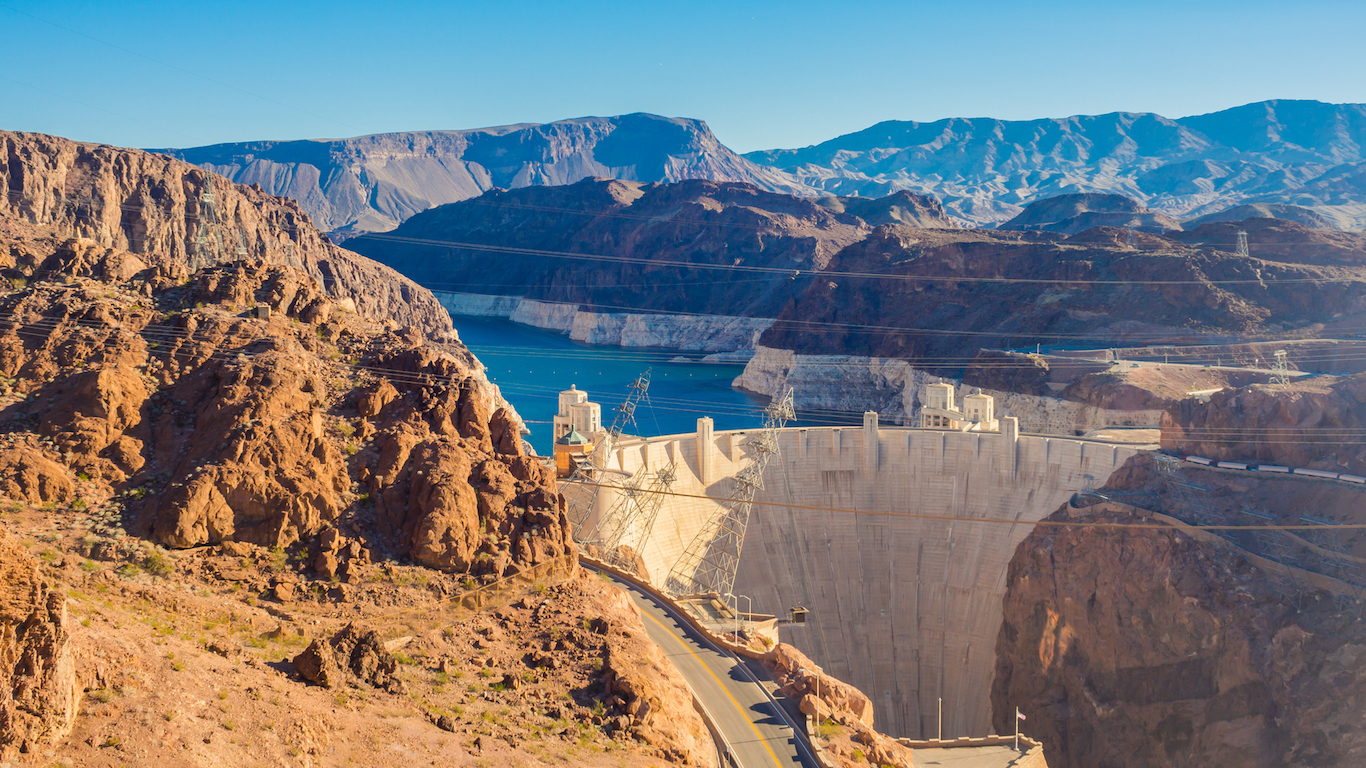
762, 74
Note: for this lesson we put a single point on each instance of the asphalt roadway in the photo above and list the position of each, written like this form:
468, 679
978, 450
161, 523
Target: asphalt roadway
759, 732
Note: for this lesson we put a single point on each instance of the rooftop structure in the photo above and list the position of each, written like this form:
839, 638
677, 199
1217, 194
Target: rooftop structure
577, 429
938, 410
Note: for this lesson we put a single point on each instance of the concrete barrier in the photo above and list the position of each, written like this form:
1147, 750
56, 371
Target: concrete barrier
1031, 757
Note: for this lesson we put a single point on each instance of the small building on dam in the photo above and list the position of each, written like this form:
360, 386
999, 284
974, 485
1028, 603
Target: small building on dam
896, 538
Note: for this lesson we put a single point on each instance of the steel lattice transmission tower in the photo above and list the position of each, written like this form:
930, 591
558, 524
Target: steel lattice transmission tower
1280, 368
592, 469
1192, 499
206, 234
620, 535
711, 560
1242, 243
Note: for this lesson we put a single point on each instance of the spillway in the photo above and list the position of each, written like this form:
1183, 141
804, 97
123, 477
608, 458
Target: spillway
904, 604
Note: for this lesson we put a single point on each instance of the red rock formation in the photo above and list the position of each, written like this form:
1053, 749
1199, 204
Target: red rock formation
645, 697
1306, 424
39, 691
243, 401
175, 215
1151, 648
853, 741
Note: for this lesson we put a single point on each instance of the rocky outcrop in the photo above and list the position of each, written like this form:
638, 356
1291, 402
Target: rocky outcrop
355, 655
39, 689
1077, 212
1153, 648
373, 183
29, 475
246, 402
170, 214
646, 696
854, 742
1307, 424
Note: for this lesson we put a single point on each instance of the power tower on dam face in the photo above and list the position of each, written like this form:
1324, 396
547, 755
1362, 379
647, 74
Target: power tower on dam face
620, 535
710, 562
592, 470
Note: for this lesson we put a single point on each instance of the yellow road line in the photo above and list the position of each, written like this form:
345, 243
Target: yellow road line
724, 690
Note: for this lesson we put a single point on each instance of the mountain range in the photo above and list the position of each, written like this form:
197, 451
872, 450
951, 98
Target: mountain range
372, 183
984, 170
1274, 153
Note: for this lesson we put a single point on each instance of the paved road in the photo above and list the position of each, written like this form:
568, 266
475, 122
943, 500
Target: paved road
743, 711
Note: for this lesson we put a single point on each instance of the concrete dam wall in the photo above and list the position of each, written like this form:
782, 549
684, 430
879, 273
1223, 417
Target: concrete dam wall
905, 608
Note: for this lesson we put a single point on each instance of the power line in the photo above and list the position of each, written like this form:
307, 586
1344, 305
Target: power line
790, 272
999, 521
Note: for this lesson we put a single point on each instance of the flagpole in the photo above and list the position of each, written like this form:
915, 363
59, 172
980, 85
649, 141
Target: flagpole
1017, 729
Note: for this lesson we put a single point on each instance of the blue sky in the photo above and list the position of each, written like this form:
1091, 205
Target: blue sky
762, 74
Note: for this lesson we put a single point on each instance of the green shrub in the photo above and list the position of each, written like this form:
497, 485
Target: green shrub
157, 564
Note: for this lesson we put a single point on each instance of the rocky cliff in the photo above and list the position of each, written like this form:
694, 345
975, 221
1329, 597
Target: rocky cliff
1314, 423
1150, 647
167, 212
619, 245
985, 170
374, 183
241, 403
939, 294
40, 691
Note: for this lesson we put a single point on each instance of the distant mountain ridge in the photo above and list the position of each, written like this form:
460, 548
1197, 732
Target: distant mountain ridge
984, 170
373, 183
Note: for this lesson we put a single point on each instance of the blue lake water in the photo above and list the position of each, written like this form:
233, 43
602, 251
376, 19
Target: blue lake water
532, 366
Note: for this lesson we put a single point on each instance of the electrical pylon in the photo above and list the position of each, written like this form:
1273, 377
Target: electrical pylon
204, 255
620, 535
1280, 369
591, 471
711, 560
1242, 243
1192, 499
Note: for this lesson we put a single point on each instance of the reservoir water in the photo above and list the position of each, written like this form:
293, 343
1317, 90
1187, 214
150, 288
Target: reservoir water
531, 366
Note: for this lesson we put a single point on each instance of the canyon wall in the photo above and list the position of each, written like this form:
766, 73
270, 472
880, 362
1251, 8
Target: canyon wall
892, 387
1312, 423
683, 332
170, 212
1157, 648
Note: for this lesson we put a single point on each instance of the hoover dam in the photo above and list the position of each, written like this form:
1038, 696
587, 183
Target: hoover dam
897, 539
